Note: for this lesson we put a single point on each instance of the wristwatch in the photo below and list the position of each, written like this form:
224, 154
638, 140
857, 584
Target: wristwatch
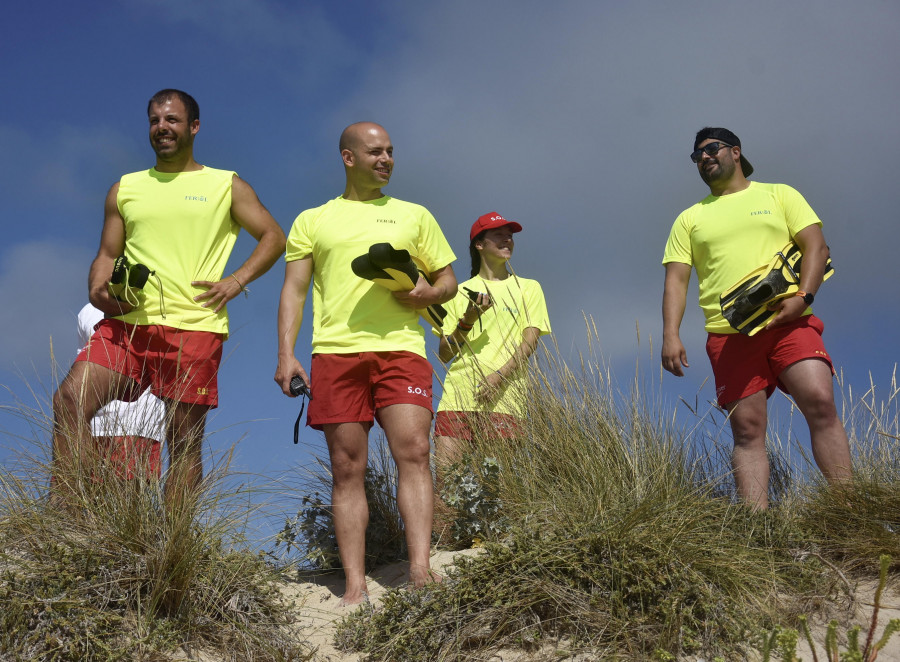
808, 298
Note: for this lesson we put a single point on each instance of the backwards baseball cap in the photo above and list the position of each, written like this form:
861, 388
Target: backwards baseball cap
725, 136
492, 221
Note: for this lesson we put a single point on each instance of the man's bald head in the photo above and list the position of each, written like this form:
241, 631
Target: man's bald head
355, 135
368, 158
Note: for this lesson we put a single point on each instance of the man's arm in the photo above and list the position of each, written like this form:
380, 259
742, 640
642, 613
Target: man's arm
443, 288
250, 214
297, 277
674, 356
815, 253
112, 245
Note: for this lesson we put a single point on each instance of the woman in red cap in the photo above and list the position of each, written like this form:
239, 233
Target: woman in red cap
491, 328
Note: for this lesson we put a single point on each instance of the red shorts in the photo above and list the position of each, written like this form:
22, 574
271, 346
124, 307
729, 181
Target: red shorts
177, 365
351, 388
131, 456
459, 424
743, 365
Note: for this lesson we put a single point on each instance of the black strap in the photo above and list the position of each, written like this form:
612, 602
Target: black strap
297, 422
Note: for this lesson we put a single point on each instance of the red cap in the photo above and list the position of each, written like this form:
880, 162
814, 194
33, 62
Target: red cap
492, 221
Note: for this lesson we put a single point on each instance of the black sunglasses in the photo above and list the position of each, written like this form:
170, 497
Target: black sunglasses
711, 149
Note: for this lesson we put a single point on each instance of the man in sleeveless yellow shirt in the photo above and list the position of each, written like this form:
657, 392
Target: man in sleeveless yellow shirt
165, 329
368, 348
736, 229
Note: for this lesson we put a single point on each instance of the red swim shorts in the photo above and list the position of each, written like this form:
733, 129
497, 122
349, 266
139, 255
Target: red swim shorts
460, 424
351, 388
177, 365
743, 365
132, 456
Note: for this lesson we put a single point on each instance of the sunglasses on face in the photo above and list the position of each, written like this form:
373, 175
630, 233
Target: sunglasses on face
711, 149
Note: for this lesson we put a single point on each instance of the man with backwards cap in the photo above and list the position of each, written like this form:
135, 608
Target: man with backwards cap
740, 226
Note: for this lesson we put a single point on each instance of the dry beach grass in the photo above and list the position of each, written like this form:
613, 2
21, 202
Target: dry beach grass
615, 536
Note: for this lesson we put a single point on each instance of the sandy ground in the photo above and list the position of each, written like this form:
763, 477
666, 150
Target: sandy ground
318, 611
318, 601
862, 615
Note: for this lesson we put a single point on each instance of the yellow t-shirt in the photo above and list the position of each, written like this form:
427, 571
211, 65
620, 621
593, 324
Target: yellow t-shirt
518, 304
178, 225
351, 314
726, 237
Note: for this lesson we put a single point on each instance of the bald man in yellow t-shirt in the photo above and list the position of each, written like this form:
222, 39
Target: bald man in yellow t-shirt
736, 229
164, 329
368, 349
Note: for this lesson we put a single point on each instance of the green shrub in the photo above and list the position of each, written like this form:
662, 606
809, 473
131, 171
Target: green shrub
308, 538
622, 543
470, 492
114, 575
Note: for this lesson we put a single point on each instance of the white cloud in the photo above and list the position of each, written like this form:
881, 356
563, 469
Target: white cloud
577, 121
43, 285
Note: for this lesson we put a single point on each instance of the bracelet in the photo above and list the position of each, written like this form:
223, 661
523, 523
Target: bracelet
241, 285
462, 326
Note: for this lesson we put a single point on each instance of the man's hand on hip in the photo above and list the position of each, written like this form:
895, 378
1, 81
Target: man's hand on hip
218, 293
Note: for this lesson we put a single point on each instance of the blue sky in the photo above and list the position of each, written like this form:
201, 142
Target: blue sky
574, 118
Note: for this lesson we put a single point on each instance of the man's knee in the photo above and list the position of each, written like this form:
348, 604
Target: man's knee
810, 383
69, 401
348, 459
412, 448
186, 420
348, 451
748, 428
185, 444
820, 410
348, 473
65, 402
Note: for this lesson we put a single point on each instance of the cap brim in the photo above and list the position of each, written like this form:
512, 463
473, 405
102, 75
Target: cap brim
746, 168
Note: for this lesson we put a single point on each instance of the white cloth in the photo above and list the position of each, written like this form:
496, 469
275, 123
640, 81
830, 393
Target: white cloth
145, 417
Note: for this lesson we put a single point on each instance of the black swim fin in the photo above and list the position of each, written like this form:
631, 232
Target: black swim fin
395, 270
387, 266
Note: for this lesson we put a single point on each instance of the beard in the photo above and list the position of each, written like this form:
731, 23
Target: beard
173, 150
723, 172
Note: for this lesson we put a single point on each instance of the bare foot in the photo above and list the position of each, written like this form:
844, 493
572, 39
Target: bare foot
354, 598
419, 576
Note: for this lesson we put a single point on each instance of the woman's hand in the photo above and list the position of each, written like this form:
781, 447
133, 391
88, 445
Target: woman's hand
489, 389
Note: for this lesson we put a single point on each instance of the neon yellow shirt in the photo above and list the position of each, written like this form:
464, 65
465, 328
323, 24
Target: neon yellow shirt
178, 225
518, 304
724, 238
351, 314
